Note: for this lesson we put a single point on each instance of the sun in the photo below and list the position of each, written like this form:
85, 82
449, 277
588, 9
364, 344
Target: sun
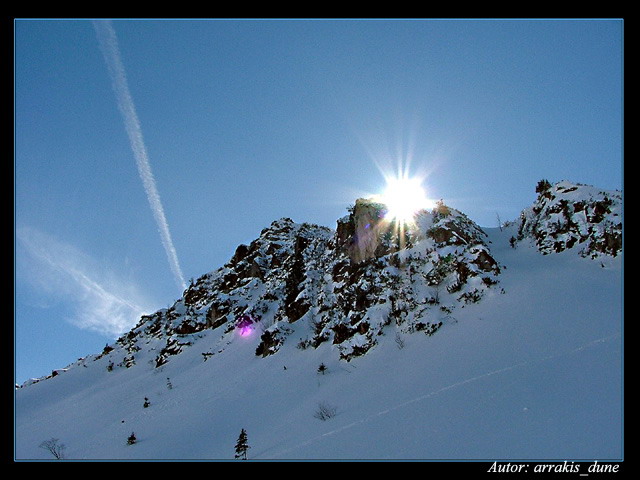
404, 197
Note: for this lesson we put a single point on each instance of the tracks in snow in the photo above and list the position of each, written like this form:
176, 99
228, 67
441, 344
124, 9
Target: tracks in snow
426, 396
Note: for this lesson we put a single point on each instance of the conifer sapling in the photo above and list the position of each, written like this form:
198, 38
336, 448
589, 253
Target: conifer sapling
242, 446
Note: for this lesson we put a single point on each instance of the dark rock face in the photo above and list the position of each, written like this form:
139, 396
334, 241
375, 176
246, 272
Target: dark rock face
566, 216
366, 224
189, 326
486, 262
294, 307
240, 254
270, 342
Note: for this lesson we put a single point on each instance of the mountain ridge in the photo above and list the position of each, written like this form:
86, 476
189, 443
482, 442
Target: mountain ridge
281, 276
499, 347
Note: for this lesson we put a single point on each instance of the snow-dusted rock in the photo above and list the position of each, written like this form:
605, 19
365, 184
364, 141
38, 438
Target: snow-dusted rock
568, 215
343, 287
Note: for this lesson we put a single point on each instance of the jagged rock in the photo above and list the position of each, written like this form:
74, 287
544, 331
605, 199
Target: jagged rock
215, 317
294, 307
486, 262
367, 221
188, 327
171, 348
240, 254
566, 216
342, 332
270, 341
344, 286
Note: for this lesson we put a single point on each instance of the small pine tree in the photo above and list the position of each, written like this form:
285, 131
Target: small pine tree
146, 402
242, 446
132, 439
322, 368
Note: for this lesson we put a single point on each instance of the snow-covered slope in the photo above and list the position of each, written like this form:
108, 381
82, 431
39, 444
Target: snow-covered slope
472, 349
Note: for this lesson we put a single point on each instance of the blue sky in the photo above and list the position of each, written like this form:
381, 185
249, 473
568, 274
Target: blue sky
248, 121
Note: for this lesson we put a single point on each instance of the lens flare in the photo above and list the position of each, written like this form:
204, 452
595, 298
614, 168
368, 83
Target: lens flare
245, 331
244, 326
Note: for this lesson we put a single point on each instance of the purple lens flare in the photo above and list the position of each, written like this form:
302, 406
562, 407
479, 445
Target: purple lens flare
244, 325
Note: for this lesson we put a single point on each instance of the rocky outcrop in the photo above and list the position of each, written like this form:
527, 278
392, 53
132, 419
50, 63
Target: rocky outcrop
361, 232
344, 287
573, 216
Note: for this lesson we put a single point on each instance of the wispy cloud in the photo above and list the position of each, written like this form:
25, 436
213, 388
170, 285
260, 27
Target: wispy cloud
109, 46
102, 300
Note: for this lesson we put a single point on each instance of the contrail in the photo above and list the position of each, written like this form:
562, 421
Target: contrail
109, 46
